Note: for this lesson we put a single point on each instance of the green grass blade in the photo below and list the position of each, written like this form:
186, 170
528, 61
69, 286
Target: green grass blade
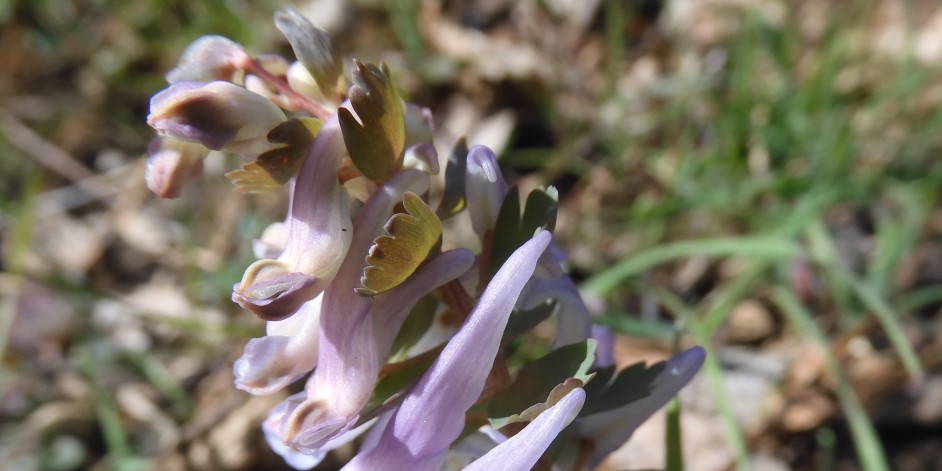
826, 256
714, 374
760, 247
866, 442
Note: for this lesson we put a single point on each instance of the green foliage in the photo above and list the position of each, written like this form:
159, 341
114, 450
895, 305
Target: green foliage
377, 140
394, 257
453, 200
513, 229
313, 47
551, 376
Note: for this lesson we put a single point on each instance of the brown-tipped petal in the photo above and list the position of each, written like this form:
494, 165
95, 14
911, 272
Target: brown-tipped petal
273, 293
216, 114
173, 164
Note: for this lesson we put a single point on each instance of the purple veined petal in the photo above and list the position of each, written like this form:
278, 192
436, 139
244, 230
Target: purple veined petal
605, 346
484, 188
610, 429
209, 58
288, 352
347, 355
272, 292
523, 450
216, 114
431, 415
573, 322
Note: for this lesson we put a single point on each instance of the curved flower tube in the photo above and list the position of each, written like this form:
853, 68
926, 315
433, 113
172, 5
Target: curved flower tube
319, 234
573, 323
455, 380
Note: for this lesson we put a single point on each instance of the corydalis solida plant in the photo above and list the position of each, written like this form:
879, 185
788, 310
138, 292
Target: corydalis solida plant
404, 337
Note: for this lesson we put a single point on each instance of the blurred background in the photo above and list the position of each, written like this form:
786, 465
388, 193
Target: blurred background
760, 175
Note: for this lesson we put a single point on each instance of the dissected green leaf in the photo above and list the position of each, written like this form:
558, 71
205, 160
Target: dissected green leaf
513, 229
542, 382
275, 167
394, 257
453, 199
521, 322
375, 141
631, 384
313, 47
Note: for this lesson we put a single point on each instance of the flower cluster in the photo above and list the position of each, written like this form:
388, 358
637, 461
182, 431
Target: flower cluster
416, 333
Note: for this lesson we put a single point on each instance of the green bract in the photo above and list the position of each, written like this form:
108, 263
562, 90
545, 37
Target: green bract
275, 167
394, 257
314, 49
375, 141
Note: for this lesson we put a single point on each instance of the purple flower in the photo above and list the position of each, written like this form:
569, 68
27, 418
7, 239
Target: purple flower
341, 279
216, 114
356, 333
431, 416
319, 233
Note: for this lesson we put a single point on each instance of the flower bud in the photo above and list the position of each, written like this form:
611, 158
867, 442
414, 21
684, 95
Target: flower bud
217, 114
485, 188
173, 164
209, 58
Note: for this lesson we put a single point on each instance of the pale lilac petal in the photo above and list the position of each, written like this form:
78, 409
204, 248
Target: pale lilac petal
610, 429
390, 309
270, 291
422, 156
319, 234
287, 353
419, 125
348, 360
431, 416
319, 226
523, 450
272, 242
573, 322
484, 188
